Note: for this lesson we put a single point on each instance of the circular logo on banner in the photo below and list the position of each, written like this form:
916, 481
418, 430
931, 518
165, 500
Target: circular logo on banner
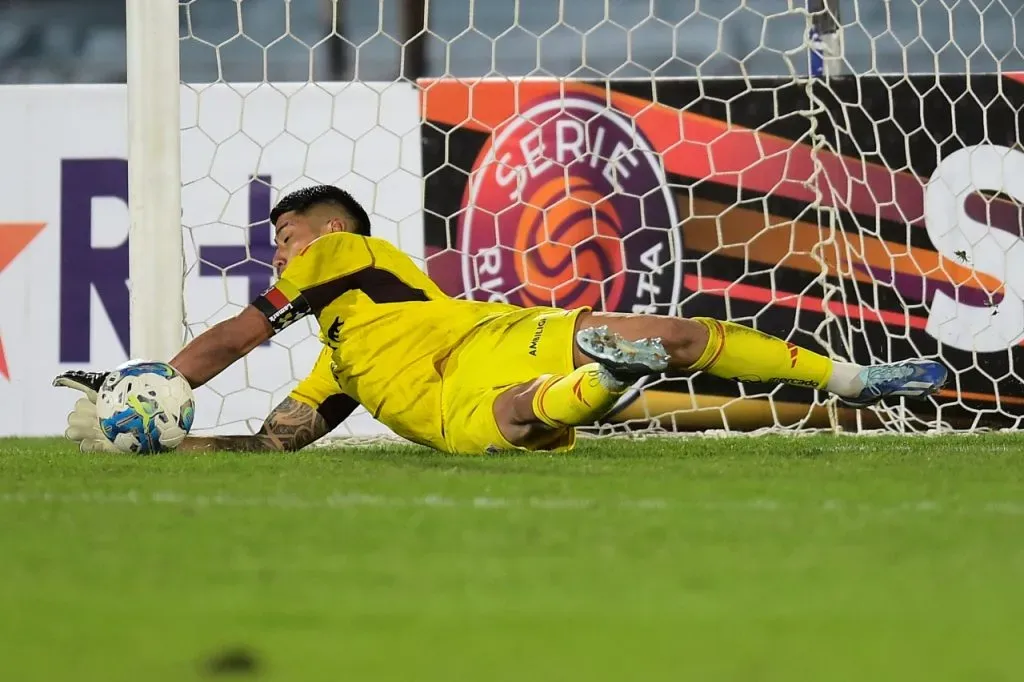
569, 207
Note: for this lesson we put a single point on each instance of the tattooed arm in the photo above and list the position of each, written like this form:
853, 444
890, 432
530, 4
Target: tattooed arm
290, 426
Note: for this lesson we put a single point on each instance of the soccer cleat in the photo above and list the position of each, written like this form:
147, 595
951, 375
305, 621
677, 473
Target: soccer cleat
626, 360
908, 379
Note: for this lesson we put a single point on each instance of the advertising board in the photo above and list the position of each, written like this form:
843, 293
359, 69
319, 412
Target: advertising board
64, 226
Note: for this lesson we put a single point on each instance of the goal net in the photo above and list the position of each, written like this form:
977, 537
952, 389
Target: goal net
845, 175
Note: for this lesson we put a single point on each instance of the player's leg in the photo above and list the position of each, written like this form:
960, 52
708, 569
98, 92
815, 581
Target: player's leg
629, 346
516, 366
626, 347
536, 414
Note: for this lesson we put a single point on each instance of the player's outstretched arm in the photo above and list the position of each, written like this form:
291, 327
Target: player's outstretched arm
222, 345
290, 426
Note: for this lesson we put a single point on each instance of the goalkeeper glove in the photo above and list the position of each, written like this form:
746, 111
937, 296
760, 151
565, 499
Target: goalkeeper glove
83, 422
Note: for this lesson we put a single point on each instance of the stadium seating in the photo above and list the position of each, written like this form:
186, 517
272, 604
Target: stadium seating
43, 41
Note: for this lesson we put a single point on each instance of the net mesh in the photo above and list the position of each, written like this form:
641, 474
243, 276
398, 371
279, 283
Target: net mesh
666, 157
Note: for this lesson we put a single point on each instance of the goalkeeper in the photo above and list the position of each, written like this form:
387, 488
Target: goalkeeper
465, 376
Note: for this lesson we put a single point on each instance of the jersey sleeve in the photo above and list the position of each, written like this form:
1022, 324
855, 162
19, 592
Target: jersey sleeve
320, 391
326, 259
336, 264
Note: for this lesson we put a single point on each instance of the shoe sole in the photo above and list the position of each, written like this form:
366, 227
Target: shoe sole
626, 360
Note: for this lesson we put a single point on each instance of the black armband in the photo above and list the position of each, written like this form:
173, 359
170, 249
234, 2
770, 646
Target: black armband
282, 304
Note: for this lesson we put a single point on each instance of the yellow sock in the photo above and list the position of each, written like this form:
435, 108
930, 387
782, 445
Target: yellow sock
745, 354
576, 399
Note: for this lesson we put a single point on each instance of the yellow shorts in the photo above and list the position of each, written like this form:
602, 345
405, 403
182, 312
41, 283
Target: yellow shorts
508, 349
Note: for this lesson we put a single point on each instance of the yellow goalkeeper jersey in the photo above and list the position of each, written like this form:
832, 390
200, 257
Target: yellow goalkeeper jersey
389, 327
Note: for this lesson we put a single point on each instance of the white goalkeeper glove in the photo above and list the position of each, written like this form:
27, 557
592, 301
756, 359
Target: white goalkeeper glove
83, 422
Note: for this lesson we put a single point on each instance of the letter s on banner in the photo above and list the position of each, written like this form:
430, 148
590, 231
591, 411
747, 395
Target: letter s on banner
989, 249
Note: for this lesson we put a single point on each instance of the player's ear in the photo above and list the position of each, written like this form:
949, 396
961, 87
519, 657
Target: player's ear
335, 225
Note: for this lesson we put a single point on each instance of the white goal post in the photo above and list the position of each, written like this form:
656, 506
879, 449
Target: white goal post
812, 168
156, 256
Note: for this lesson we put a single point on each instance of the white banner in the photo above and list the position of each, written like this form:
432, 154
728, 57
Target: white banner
64, 226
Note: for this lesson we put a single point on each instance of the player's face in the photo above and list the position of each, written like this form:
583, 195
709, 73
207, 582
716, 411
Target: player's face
293, 233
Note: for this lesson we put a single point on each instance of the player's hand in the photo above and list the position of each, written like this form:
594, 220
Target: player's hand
84, 428
83, 422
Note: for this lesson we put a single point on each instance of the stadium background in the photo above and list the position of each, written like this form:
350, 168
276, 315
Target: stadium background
744, 248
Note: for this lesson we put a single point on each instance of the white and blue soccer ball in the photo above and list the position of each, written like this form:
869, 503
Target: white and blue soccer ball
145, 407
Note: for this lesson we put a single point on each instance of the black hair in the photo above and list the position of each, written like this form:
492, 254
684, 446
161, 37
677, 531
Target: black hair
302, 200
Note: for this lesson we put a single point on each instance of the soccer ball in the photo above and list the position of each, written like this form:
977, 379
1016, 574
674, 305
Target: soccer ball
145, 407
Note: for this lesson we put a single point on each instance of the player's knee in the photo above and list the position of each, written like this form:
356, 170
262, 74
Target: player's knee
515, 406
513, 411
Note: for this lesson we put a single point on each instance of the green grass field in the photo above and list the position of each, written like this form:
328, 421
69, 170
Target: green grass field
771, 559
